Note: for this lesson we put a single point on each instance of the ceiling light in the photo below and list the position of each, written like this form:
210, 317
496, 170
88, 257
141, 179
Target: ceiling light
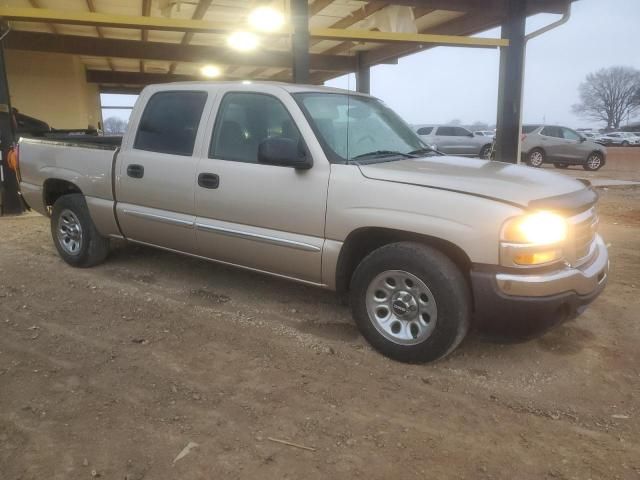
243, 41
210, 71
246, 82
266, 19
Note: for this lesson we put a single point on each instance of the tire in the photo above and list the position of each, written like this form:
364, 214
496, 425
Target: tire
427, 311
485, 152
595, 161
561, 165
74, 234
625, 144
536, 157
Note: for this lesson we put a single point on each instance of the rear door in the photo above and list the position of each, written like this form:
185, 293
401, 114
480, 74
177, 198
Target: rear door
260, 216
447, 141
155, 172
552, 141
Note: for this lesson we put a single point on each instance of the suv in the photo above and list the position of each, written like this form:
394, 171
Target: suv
455, 140
560, 146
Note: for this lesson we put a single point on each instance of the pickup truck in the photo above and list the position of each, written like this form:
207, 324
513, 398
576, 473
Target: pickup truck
329, 188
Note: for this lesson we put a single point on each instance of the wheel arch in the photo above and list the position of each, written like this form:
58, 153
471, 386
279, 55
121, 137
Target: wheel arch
362, 241
54, 188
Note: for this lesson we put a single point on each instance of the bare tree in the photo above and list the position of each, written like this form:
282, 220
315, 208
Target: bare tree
610, 94
114, 126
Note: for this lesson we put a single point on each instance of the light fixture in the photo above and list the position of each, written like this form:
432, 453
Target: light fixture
210, 71
266, 19
243, 41
246, 82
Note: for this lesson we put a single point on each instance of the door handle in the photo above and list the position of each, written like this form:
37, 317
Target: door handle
208, 180
135, 171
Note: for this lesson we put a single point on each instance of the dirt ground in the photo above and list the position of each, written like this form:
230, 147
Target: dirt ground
111, 372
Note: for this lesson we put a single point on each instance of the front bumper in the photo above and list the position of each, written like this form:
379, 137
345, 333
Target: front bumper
526, 304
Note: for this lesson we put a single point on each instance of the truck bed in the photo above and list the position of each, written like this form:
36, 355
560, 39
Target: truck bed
110, 142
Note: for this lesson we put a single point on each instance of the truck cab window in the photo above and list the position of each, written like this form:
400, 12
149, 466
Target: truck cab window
170, 122
245, 120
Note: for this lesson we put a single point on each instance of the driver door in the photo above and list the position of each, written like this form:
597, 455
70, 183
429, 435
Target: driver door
264, 217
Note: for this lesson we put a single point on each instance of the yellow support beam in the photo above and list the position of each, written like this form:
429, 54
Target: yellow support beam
395, 37
202, 26
70, 17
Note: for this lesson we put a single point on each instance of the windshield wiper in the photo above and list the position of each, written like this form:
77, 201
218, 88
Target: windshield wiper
383, 153
424, 150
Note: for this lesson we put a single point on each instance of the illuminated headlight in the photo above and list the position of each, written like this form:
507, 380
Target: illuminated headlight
533, 239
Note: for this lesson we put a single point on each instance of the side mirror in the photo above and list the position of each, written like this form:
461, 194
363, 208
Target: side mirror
283, 152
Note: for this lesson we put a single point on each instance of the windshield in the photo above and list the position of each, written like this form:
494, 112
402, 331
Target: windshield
357, 128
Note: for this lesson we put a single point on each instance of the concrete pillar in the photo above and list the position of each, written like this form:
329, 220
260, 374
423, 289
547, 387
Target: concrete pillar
363, 76
10, 201
511, 82
300, 40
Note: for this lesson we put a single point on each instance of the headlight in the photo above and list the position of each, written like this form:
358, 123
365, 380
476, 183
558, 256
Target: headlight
539, 228
533, 239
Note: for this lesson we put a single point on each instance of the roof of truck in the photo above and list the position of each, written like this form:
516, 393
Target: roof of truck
289, 87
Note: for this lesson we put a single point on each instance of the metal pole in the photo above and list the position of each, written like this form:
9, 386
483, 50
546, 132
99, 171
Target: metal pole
510, 83
10, 201
363, 76
300, 40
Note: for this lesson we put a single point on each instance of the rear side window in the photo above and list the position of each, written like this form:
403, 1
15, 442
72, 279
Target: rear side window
169, 123
446, 131
552, 132
425, 130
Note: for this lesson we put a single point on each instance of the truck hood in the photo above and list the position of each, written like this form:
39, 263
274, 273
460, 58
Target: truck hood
506, 182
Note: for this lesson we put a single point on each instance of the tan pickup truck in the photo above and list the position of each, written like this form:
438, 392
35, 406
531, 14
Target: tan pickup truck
329, 188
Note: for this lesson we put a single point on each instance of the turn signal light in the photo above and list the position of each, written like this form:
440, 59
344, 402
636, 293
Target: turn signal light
12, 159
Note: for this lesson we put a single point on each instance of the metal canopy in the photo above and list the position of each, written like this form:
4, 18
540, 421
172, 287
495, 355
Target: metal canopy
116, 39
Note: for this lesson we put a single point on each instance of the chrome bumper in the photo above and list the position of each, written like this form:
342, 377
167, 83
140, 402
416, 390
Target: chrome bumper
582, 280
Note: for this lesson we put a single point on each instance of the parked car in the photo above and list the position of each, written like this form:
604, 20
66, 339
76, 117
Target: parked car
561, 146
265, 177
485, 133
455, 140
622, 139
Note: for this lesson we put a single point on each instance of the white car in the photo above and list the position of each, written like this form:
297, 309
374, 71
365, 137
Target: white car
624, 139
485, 133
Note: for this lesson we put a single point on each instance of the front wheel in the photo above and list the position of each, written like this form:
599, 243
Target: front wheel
74, 234
411, 302
625, 144
594, 162
485, 152
535, 158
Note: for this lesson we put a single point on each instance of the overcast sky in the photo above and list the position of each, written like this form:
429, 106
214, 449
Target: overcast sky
448, 83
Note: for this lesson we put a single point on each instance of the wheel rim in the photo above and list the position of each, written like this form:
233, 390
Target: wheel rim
536, 159
401, 307
485, 153
69, 232
593, 162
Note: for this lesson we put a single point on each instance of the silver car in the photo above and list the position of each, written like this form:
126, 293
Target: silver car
561, 146
455, 140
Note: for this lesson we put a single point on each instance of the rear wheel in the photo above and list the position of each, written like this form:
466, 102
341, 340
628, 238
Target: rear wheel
536, 157
594, 162
625, 143
410, 302
74, 234
561, 165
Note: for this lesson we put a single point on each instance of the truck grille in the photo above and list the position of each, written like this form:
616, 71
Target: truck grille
584, 227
